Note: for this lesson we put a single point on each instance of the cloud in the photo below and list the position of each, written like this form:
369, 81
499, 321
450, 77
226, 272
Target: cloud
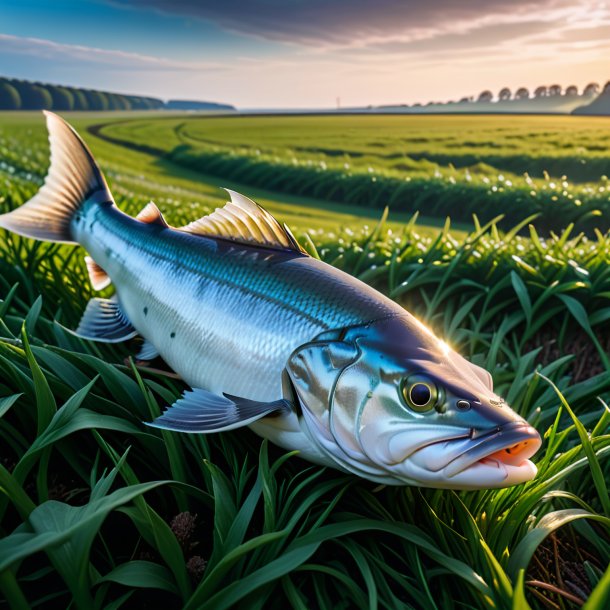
357, 22
107, 58
489, 36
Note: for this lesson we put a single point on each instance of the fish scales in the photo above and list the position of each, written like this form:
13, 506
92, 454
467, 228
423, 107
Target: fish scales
258, 304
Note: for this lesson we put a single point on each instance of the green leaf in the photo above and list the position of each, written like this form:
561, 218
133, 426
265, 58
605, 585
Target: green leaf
7, 402
519, 600
45, 401
600, 596
213, 578
13, 490
32, 317
580, 315
55, 523
596, 470
153, 527
522, 295
520, 557
64, 370
500, 579
141, 574
12, 592
68, 420
236, 591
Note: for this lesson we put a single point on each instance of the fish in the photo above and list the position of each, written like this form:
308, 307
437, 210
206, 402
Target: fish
268, 337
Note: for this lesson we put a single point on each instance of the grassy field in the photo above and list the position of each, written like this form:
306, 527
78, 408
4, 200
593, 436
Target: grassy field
575, 146
99, 511
183, 194
555, 167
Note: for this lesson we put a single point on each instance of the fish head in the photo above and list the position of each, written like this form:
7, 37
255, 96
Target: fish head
393, 403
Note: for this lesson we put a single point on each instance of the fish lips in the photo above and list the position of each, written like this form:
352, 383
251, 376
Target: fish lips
506, 447
510, 445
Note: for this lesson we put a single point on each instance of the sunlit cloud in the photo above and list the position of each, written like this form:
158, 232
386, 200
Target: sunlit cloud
325, 24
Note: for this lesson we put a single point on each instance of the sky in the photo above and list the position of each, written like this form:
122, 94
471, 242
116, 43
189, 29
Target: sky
306, 53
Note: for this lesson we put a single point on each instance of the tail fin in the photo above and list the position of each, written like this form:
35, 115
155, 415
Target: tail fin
73, 178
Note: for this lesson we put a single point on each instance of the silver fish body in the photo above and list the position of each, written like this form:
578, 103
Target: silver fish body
225, 315
306, 355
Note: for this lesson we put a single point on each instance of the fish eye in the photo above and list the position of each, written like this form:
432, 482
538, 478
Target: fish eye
419, 393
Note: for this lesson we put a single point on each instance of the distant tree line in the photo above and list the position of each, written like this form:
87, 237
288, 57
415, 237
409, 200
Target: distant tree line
522, 93
27, 95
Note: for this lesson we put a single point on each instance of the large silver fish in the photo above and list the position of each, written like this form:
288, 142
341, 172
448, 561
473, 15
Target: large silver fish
271, 338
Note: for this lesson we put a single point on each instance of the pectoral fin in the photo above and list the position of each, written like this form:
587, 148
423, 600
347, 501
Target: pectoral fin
104, 321
200, 411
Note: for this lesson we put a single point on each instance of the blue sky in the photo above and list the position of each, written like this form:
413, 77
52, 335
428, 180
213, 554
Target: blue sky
296, 53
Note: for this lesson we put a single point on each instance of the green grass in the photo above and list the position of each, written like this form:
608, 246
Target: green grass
99, 511
555, 167
136, 177
578, 146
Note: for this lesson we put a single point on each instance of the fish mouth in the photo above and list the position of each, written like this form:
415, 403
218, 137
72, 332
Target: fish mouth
485, 459
510, 445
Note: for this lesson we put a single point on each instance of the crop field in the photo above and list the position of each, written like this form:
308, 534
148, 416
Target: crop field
99, 511
182, 193
554, 167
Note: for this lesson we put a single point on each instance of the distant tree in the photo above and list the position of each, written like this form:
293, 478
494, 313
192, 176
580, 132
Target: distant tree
554, 90
68, 97
155, 103
116, 101
571, 91
80, 101
92, 100
591, 89
44, 97
103, 100
33, 97
505, 94
522, 94
13, 82
541, 91
123, 102
466, 100
21, 88
485, 96
136, 102
606, 90
9, 96
61, 97
96, 100
113, 101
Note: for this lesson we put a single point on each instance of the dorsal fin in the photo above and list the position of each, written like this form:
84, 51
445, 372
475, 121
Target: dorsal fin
242, 220
151, 214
